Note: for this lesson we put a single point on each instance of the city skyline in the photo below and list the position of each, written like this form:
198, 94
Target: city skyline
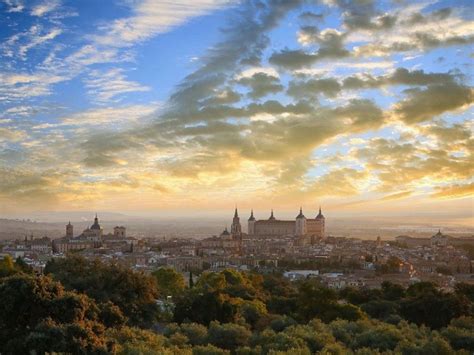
362, 107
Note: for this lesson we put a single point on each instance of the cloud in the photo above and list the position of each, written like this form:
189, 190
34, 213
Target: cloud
414, 31
363, 15
339, 182
331, 45
424, 104
36, 39
19, 86
110, 115
454, 191
329, 87
293, 59
14, 5
310, 16
45, 7
397, 196
221, 129
403, 165
152, 17
104, 87
10, 135
27, 187
261, 85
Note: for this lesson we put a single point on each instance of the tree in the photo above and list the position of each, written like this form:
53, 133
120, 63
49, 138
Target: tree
128, 340
465, 289
7, 267
133, 292
228, 336
380, 309
460, 333
321, 302
392, 291
434, 309
203, 307
170, 282
37, 314
22, 266
191, 281
384, 337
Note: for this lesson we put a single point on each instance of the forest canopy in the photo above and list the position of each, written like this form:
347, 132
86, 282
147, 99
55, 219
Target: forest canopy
80, 306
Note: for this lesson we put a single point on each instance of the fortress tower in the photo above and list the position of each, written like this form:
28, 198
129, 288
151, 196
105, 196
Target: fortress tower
251, 224
300, 226
316, 227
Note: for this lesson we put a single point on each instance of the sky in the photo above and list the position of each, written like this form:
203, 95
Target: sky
363, 107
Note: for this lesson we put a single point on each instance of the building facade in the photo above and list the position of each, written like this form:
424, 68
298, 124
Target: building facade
301, 226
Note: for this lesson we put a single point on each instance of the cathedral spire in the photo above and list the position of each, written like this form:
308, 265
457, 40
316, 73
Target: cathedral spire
236, 214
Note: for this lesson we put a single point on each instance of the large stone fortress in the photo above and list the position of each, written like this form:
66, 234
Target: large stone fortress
299, 227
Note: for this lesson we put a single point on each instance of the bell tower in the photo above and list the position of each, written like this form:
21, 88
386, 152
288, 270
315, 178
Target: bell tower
69, 230
236, 228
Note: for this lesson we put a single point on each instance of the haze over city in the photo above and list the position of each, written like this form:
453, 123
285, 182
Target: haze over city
159, 108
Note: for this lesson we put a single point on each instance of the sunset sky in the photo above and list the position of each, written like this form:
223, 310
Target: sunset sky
199, 105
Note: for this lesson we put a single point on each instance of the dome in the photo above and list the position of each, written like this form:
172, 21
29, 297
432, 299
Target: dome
225, 232
96, 224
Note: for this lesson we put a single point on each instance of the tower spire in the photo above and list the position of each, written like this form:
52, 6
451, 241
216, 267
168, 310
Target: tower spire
236, 214
271, 215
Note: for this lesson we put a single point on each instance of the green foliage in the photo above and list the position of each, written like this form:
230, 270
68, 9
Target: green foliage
136, 341
229, 313
382, 337
170, 282
391, 291
380, 309
460, 333
20, 265
37, 314
209, 350
133, 292
8, 267
465, 289
317, 301
431, 307
228, 336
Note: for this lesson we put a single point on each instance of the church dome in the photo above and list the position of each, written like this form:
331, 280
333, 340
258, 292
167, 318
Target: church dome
96, 224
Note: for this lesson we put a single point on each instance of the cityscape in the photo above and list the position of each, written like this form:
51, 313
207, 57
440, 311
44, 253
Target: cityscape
297, 248
236, 177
